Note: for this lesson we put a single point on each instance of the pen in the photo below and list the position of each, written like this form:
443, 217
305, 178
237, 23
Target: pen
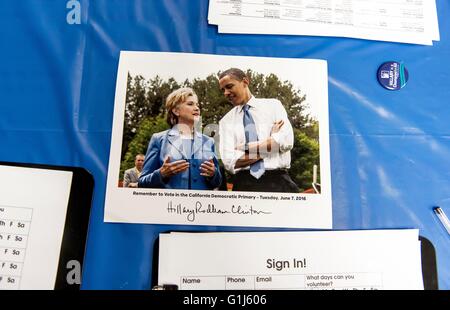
443, 218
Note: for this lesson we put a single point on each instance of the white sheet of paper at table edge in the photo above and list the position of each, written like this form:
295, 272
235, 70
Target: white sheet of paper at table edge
227, 24
288, 27
304, 28
215, 18
202, 254
46, 192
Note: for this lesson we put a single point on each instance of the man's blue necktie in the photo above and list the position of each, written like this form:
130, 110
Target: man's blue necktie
256, 169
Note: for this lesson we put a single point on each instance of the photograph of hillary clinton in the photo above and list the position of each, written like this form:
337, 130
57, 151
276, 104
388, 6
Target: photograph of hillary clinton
181, 157
227, 140
247, 127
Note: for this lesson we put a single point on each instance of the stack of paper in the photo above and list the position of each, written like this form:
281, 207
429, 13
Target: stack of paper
342, 260
402, 21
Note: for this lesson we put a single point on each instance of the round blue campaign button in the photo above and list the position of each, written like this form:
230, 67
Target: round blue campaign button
392, 75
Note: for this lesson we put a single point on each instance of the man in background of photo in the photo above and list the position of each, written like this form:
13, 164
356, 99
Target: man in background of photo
131, 176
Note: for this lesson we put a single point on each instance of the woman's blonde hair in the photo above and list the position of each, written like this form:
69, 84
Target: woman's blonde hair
174, 99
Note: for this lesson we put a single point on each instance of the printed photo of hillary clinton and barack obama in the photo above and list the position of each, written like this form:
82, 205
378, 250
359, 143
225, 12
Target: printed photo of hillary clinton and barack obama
224, 125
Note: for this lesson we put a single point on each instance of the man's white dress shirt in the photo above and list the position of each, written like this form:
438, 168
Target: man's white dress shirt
265, 113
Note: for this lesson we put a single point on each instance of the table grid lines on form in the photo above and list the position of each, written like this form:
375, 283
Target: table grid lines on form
14, 229
340, 281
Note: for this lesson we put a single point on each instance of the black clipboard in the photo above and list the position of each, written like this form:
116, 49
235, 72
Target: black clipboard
76, 223
429, 268
428, 255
